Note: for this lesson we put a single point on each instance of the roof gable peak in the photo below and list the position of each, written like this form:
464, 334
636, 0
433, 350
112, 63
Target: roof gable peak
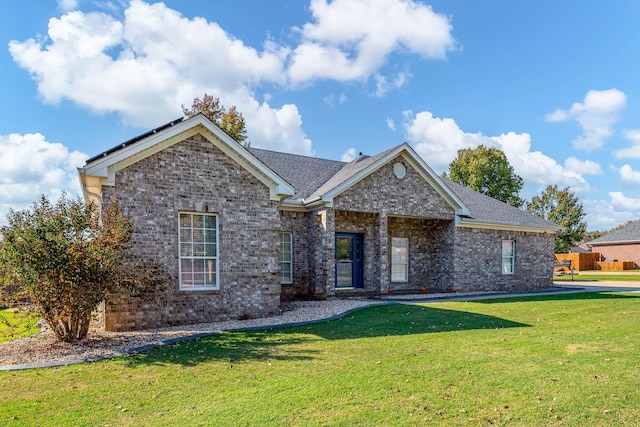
104, 167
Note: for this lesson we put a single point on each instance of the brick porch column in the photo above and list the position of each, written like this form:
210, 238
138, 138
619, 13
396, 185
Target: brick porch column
382, 241
325, 254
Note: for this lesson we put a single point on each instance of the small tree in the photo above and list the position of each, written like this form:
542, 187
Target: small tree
232, 121
563, 208
487, 171
67, 258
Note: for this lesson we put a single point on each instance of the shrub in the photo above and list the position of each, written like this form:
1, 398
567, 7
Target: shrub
67, 258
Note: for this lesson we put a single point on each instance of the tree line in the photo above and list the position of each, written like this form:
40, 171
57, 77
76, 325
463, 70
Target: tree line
487, 170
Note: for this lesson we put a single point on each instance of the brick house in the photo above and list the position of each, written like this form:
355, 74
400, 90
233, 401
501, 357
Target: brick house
240, 229
621, 245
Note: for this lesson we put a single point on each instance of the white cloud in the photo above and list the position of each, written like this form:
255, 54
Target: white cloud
349, 155
383, 85
628, 175
67, 5
332, 99
584, 167
632, 152
603, 215
596, 115
50, 169
154, 60
391, 124
620, 201
438, 140
280, 129
351, 39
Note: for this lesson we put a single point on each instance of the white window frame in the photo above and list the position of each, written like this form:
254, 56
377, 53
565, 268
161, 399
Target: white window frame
508, 264
397, 244
286, 238
191, 250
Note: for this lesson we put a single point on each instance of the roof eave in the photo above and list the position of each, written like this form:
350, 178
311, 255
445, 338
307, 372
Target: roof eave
470, 223
615, 242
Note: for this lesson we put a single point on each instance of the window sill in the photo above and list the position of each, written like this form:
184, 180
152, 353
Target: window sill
198, 289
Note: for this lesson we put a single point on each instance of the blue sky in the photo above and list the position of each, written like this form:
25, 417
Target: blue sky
553, 84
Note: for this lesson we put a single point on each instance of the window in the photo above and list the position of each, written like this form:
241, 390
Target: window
508, 256
286, 264
399, 259
198, 251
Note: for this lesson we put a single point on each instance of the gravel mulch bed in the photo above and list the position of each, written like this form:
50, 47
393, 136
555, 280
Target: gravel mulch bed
43, 349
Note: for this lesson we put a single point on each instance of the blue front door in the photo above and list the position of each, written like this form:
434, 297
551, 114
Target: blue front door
349, 260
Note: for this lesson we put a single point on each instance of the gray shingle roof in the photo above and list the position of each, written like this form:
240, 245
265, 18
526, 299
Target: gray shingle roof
305, 174
134, 140
628, 234
313, 177
350, 169
487, 209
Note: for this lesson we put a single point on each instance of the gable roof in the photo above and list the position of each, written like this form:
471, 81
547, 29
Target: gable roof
319, 179
103, 167
134, 140
348, 171
630, 233
306, 181
334, 177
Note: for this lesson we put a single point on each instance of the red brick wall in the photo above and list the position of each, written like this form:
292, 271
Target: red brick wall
628, 252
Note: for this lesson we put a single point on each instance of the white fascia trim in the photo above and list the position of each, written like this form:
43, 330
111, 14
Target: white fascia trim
319, 203
465, 223
106, 167
417, 163
430, 176
292, 207
618, 242
278, 187
345, 185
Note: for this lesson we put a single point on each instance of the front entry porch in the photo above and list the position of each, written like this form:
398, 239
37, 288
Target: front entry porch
373, 254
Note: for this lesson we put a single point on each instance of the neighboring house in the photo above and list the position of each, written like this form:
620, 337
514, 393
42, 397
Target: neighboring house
620, 245
240, 229
582, 247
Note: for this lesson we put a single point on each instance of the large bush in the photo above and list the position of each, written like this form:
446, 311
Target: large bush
67, 258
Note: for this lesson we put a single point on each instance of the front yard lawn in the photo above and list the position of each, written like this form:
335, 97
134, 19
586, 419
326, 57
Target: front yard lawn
569, 360
14, 325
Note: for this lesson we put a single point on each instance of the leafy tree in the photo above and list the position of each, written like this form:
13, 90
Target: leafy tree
563, 208
621, 226
487, 171
67, 258
595, 234
232, 121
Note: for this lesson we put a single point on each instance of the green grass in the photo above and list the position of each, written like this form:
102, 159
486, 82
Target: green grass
620, 277
570, 360
15, 325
